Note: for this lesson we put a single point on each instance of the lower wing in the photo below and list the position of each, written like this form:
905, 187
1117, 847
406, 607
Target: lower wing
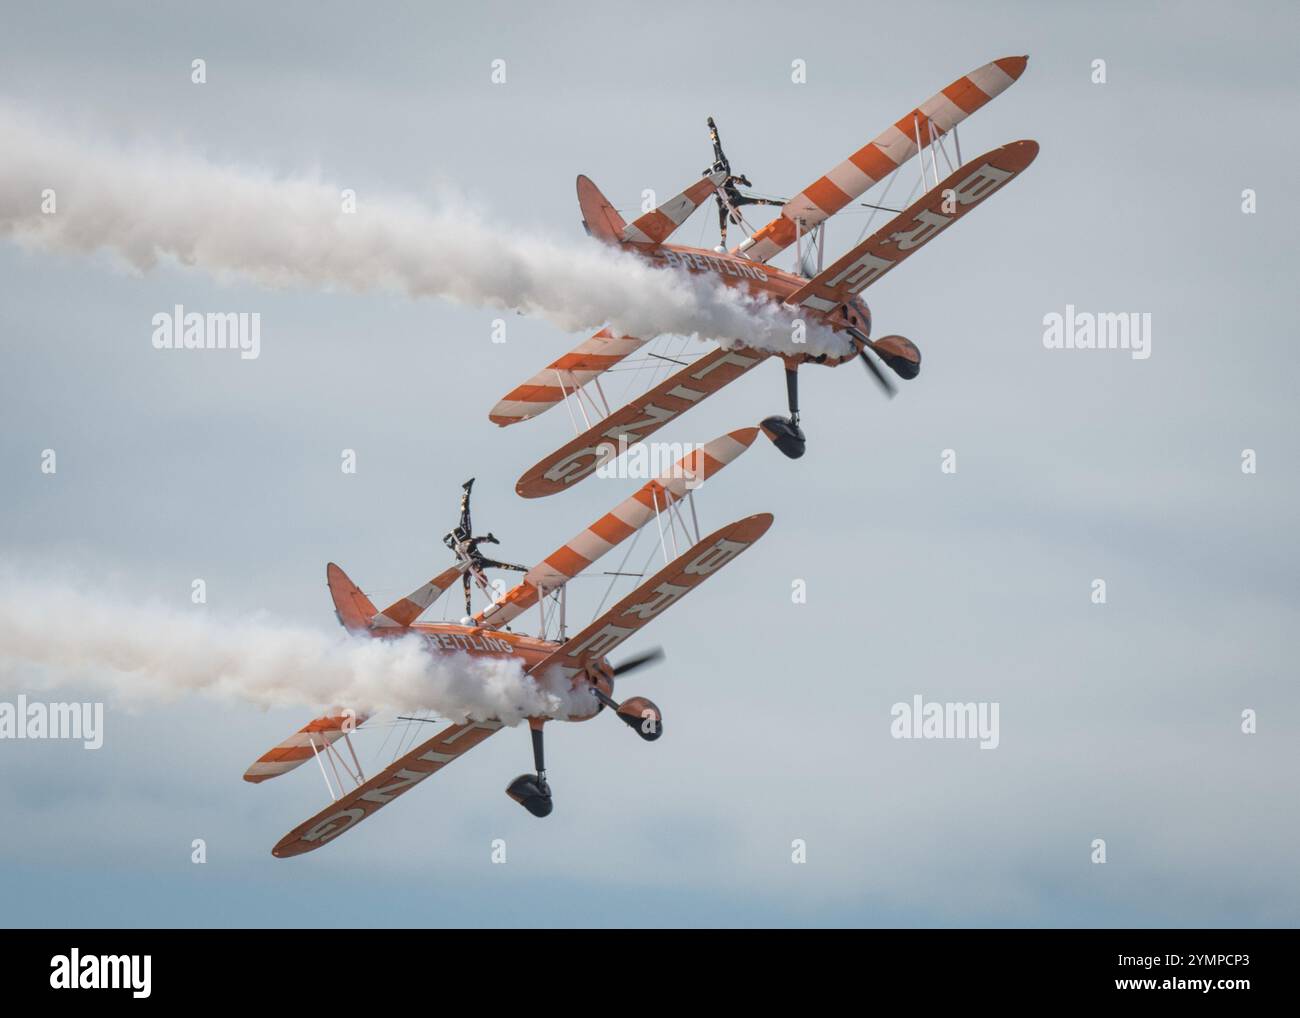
404, 773
642, 417
312, 738
914, 227
562, 377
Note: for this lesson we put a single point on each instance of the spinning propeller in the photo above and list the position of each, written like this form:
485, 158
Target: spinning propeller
640, 661
874, 369
638, 713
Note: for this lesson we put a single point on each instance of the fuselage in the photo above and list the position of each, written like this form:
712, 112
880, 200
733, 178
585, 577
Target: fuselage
529, 651
764, 281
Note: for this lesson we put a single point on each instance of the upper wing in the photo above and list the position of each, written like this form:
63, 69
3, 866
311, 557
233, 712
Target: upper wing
936, 210
624, 520
384, 787
642, 417
883, 155
310, 739
575, 369
406, 610
659, 224
682, 575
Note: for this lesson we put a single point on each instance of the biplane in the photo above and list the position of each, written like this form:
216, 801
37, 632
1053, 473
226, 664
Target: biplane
579, 663
829, 296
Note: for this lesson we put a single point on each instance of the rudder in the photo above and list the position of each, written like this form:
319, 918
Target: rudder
352, 607
599, 217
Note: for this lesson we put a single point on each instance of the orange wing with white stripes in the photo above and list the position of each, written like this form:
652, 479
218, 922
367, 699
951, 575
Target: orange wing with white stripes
563, 377
682, 575
603, 350
616, 526
914, 227
406, 610
400, 776
657, 225
883, 155
311, 739
640, 418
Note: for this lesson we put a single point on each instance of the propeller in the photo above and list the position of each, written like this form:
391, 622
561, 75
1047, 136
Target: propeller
641, 660
879, 375
872, 366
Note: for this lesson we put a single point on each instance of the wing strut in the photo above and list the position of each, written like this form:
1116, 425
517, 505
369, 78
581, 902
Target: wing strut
870, 164
616, 526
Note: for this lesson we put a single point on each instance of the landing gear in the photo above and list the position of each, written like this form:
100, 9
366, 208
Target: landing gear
785, 432
531, 790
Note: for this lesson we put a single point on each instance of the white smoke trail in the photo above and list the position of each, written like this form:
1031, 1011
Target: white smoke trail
56, 637
234, 222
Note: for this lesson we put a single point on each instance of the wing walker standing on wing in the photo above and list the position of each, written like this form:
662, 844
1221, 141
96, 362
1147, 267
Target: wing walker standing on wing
464, 545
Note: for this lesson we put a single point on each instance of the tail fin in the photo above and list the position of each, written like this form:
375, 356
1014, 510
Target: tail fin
351, 606
599, 217
658, 225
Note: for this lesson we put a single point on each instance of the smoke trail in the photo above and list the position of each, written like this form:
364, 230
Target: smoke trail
58, 637
229, 221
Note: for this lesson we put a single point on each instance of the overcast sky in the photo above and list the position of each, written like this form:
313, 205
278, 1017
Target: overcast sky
1119, 722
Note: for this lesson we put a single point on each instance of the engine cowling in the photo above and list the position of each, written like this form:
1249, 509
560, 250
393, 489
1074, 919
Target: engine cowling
642, 716
900, 353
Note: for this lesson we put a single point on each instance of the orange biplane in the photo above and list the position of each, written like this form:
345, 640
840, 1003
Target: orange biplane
828, 296
579, 663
